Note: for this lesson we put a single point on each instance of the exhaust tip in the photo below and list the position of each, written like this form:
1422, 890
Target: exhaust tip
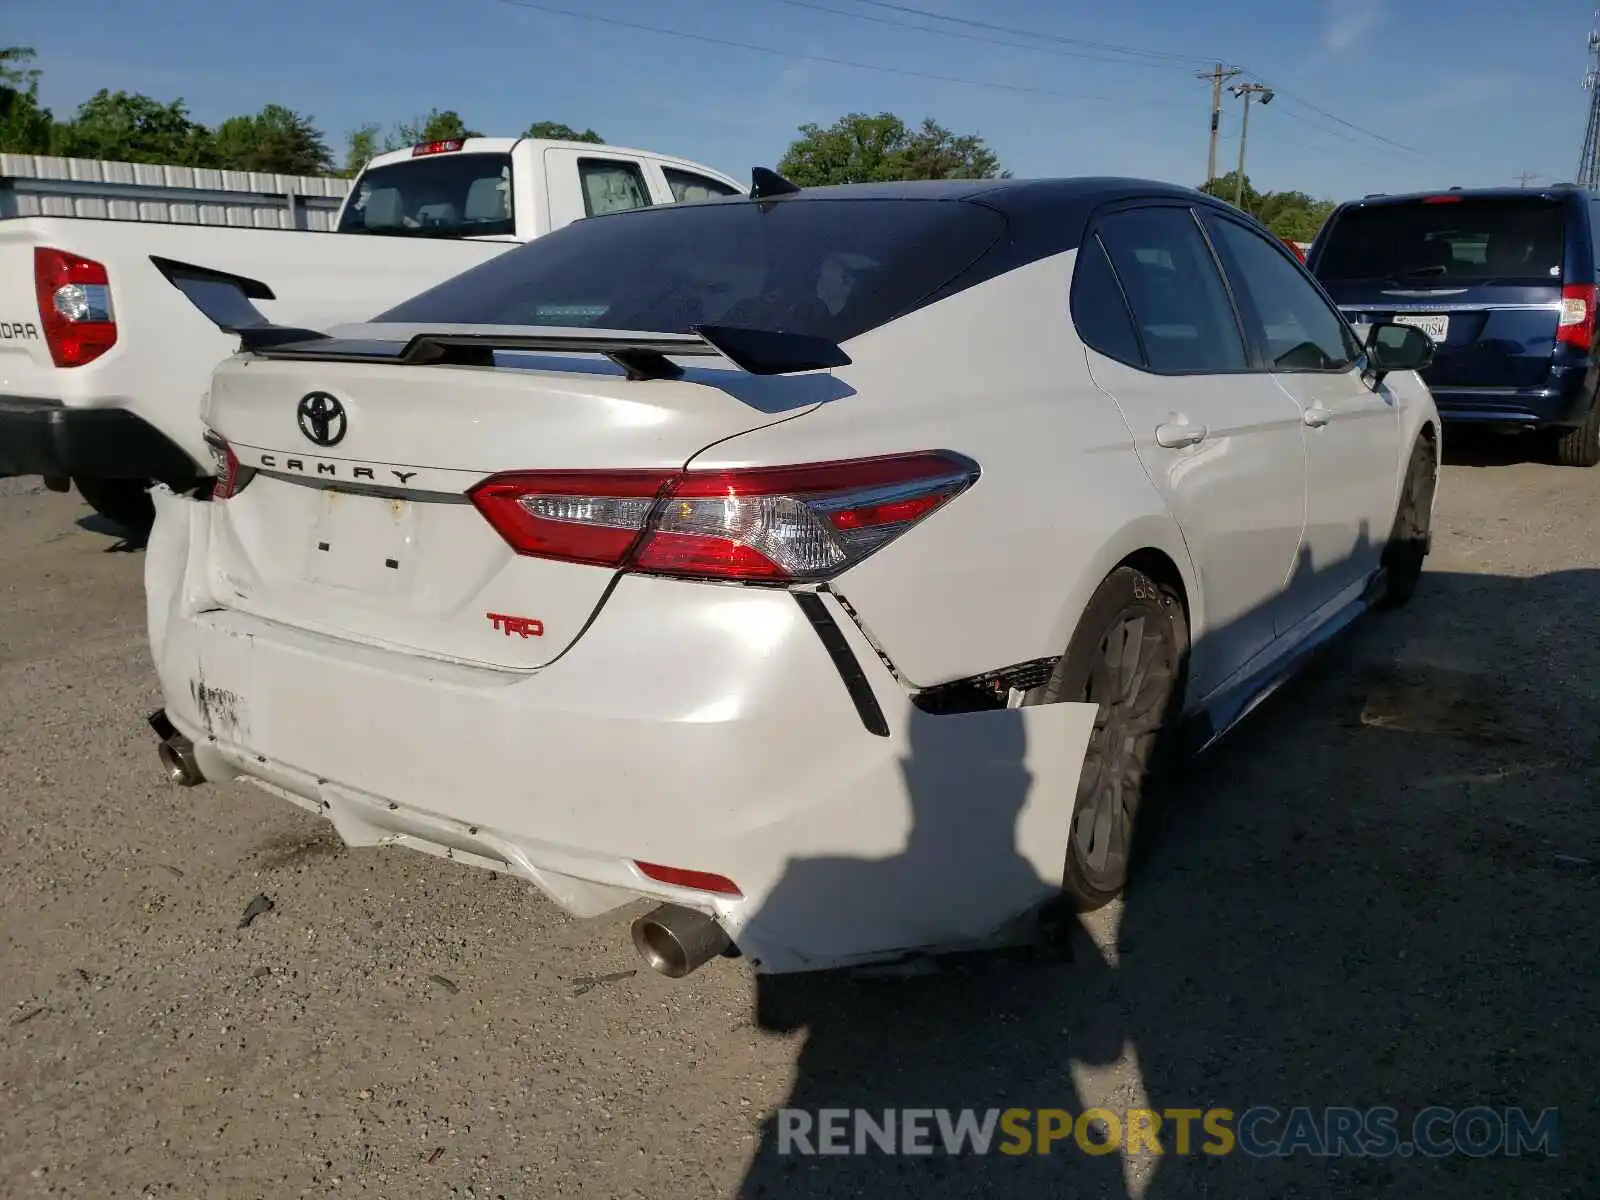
177, 757
675, 941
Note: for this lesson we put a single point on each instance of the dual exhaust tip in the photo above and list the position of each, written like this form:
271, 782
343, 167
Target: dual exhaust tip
176, 752
673, 940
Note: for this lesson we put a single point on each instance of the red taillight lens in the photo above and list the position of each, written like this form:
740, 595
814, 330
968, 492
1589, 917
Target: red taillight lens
231, 476
700, 881
74, 306
447, 146
756, 524
1442, 200
1577, 317
576, 516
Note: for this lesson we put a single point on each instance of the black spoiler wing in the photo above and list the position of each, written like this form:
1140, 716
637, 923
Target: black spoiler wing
226, 300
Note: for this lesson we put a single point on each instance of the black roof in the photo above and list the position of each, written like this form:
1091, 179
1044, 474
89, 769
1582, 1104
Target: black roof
1006, 195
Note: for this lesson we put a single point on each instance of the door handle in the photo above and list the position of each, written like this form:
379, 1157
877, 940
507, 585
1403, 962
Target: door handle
1316, 416
1175, 435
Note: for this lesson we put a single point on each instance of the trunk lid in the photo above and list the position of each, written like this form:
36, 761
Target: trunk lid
1482, 275
373, 539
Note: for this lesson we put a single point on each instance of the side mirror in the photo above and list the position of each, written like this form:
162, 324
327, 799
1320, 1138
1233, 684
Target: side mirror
1393, 347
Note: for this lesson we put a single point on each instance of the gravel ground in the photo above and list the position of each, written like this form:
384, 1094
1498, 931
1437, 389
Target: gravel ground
1383, 891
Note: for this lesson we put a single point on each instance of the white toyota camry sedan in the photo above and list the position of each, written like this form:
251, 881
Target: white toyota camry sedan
838, 569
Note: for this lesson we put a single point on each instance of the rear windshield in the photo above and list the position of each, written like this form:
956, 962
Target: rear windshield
828, 268
1460, 240
443, 196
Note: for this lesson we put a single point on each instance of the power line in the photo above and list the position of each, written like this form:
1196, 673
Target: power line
822, 58
1185, 59
1154, 57
1103, 57
1378, 137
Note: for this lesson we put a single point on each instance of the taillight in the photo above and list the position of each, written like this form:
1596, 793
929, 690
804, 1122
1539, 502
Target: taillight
447, 146
1577, 317
753, 524
231, 476
74, 306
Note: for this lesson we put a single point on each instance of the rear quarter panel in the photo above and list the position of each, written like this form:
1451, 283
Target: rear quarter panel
1001, 574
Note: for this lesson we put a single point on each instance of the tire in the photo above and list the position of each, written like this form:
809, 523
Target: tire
125, 503
1409, 539
1129, 610
1580, 447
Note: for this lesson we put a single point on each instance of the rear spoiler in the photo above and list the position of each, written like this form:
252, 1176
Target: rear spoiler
226, 300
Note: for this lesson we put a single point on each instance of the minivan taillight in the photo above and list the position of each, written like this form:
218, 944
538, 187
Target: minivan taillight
752, 524
1577, 317
74, 306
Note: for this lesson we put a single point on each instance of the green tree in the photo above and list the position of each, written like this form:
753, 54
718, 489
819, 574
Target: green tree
860, 148
25, 127
437, 126
555, 131
1293, 215
127, 127
1223, 187
361, 148
275, 139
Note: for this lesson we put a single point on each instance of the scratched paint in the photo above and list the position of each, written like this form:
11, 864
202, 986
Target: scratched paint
221, 711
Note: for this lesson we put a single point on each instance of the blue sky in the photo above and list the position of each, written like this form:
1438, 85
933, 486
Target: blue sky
1477, 90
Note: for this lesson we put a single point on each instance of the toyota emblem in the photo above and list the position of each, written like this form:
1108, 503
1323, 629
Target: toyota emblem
322, 418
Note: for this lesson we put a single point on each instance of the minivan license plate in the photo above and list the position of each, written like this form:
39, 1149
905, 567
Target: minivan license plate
1436, 327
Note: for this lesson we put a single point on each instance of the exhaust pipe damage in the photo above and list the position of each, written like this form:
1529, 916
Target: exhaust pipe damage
176, 752
675, 941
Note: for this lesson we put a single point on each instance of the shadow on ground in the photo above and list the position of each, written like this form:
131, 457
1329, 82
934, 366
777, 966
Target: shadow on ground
1382, 891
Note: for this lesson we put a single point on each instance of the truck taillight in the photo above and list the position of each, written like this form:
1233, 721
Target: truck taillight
448, 146
752, 525
1577, 317
231, 476
74, 306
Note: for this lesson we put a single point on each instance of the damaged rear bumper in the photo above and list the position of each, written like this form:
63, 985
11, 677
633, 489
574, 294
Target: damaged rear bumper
704, 728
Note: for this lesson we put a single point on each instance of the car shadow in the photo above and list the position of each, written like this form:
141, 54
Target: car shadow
123, 541
1379, 893
1468, 447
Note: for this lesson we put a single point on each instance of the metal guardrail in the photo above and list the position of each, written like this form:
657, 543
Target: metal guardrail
37, 185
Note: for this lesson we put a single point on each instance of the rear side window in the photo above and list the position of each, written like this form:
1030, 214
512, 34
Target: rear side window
686, 185
1185, 319
1470, 240
443, 196
1099, 309
827, 268
1299, 330
611, 186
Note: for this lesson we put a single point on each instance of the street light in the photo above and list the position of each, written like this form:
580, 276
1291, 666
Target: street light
1246, 90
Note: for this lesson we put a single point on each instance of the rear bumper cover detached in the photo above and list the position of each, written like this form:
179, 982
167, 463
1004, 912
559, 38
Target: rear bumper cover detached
45, 437
694, 726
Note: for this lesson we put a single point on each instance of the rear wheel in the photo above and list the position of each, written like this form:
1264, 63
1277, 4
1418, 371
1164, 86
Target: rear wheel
1129, 657
1580, 447
1408, 541
125, 503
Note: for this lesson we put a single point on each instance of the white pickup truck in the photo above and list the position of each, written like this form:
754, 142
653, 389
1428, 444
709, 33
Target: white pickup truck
104, 363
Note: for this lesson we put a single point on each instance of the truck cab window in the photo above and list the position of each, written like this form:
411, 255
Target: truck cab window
610, 185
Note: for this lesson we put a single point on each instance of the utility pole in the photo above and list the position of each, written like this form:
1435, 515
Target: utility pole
1526, 177
1246, 90
1218, 77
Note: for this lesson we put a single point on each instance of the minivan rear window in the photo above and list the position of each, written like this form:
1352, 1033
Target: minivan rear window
828, 268
1460, 240
450, 195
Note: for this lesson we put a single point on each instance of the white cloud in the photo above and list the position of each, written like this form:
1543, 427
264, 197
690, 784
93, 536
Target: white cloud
1349, 21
